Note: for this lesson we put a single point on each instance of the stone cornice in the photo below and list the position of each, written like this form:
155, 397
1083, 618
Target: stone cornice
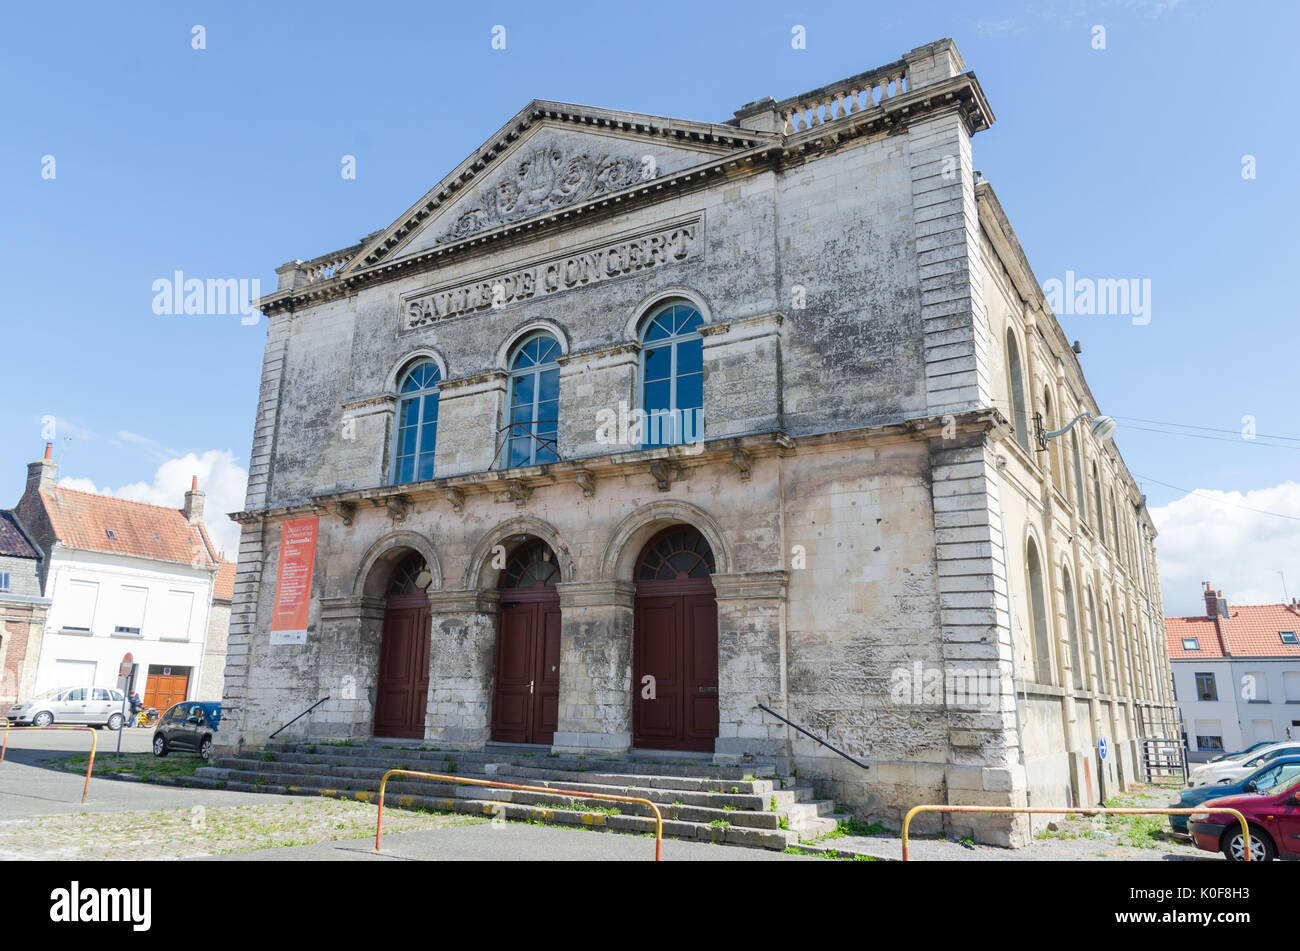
751, 585
755, 447
604, 592
458, 601
758, 152
335, 609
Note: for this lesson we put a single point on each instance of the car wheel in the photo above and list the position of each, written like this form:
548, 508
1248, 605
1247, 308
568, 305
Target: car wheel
44, 718
1261, 846
115, 722
205, 748
159, 746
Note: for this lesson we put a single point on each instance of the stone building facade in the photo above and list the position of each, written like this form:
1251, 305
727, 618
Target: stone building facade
633, 424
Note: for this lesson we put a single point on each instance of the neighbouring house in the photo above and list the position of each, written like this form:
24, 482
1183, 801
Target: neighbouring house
118, 577
1236, 674
22, 609
635, 432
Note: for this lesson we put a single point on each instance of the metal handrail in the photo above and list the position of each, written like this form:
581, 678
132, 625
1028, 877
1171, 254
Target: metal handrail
550, 444
466, 781
813, 736
1052, 810
94, 746
297, 718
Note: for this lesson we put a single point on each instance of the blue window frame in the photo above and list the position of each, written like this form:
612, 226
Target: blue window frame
534, 402
416, 433
672, 376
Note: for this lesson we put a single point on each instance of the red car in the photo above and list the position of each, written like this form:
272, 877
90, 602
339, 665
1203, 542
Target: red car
1274, 825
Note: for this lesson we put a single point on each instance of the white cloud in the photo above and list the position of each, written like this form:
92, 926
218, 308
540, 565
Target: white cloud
1212, 536
222, 480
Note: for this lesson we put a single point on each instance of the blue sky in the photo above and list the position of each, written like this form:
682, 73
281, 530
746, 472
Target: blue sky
225, 162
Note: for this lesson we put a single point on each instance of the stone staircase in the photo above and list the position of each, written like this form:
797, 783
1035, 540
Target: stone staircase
749, 805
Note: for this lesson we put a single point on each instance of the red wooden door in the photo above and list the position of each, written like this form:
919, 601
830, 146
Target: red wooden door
675, 642
526, 705
403, 691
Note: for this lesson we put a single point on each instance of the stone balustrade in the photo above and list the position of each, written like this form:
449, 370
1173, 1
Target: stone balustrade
843, 99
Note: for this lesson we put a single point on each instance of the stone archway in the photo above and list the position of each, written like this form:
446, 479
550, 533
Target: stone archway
402, 688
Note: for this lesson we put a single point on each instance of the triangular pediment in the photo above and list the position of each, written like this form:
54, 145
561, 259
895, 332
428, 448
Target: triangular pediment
550, 157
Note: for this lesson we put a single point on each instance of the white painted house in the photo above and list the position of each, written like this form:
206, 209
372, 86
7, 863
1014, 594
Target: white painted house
1236, 674
123, 577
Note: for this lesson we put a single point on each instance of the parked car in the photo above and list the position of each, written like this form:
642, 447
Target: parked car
1233, 770
187, 727
1274, 821
1240, 753
95, 706
1280, 772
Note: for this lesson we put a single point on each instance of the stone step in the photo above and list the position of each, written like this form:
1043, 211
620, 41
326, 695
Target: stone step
740, 809
722, 830
755, 795
640, 764
367, 767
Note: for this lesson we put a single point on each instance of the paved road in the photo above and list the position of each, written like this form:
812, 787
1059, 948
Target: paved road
515, 842
29, 789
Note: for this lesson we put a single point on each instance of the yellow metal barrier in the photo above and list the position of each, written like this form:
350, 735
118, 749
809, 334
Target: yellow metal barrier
1096, 811
94, 746
465, 780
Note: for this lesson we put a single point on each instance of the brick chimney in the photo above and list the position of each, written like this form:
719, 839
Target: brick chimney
193, 502
40, 474
1211, 602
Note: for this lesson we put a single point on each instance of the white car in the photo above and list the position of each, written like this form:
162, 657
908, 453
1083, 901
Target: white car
97, 706
1233, 770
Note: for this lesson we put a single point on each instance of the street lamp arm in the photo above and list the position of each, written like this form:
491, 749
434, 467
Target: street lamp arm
1066, 428
1103, 428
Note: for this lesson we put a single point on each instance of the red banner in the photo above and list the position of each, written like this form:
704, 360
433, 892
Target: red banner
293, 583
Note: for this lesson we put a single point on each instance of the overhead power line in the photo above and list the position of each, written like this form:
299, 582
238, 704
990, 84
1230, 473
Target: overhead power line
1294, 518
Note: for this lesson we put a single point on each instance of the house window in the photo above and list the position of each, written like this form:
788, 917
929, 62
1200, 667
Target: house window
1209, 744
1205, 689
1100, 514
672, 375
1078, 477
1288, 637
1191, 644
4, 581
1072, 625
130, 610
534, 402
1038, 607
417, 423
79, 614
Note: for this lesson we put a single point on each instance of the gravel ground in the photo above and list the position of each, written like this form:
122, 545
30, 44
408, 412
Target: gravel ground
201, 831
1067, 839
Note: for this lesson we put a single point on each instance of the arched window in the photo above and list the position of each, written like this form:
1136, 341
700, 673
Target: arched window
1049, 424
672, 376
1078, 477
1019, 419
532, 565
1099, 659
1038, 608
417, 423
1072, 624
534, 402
1115, 540
1100, 514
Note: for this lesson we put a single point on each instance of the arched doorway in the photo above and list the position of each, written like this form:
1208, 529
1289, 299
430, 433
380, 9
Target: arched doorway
675, 641
402, 695
526, 705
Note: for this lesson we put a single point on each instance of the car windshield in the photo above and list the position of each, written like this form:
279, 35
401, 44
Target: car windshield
1277, 777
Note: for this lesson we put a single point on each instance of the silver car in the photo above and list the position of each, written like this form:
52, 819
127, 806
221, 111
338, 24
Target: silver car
96, 706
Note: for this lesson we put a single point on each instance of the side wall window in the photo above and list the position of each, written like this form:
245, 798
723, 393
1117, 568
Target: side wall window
1018, 417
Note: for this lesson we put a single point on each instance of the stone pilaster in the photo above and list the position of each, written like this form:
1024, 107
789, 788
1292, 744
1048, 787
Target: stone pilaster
595, 666
751, 663
462, 667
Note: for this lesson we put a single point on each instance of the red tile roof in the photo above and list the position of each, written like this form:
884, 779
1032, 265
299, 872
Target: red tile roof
225, 584
83, 520
1249, 630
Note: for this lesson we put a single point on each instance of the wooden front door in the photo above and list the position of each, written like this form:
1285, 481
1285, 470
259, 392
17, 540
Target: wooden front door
675, 644
165, 686
526, 703
403, 690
